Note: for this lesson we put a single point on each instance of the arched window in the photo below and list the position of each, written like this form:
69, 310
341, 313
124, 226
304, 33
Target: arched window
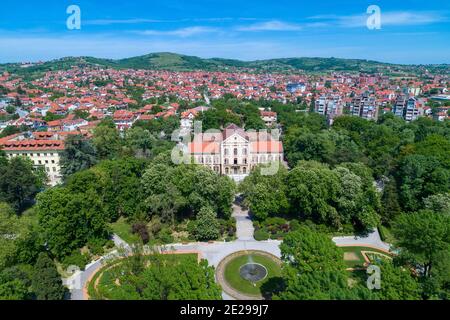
226, 151
235, 151
244, 151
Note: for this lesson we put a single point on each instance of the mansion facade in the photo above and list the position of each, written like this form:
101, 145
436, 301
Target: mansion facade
235, 152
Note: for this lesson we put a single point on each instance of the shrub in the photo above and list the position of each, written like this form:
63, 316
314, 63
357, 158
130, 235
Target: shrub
165, 235
275, 221
140, 228
278, 235
294, 225
76, 259
109, 244
261, 235
155, 226
96, 246
227, 227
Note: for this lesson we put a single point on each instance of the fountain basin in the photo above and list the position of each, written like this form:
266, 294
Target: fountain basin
253, 272
249, 274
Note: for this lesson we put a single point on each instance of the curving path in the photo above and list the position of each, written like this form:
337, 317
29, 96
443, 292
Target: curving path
215, 252
371, 240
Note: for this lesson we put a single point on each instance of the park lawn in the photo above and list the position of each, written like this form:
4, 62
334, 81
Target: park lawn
359, 260
233, 278
386, 234
123, 230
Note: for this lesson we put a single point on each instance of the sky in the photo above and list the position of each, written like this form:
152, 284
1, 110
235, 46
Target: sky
411, 31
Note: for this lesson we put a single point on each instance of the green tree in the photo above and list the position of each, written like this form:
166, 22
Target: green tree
313, 267
69, 220
438, 203
424, 240
46, 281
313, 191
206, 225
79, 154
186, 188
435, 145
305, 145
266, 195
390, 202
140, 140
357, 201
19, 182
10, 228
419, 177
107, 142
397, 283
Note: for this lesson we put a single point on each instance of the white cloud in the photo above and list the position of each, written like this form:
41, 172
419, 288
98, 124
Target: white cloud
273, 25
104, 22
392, 18
182, 32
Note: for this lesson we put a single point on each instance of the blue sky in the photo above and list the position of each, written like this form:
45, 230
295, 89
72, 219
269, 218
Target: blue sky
412, 31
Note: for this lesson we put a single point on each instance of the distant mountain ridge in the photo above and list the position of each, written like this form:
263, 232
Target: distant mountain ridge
177, 62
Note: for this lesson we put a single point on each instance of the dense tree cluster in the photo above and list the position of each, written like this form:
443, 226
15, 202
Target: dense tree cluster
78, 213
365, 174
144, 140
314, 191
230, 110
173, 191
26, 272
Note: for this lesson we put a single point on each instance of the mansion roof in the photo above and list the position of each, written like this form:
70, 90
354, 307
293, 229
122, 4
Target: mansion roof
258, 142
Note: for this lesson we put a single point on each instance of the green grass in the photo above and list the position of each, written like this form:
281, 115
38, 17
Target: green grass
357, 250
123, 230
233, 278
386, 234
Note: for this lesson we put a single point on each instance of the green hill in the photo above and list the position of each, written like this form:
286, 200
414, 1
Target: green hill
178, 62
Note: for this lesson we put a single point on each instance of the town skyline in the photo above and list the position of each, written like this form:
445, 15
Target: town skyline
219, 57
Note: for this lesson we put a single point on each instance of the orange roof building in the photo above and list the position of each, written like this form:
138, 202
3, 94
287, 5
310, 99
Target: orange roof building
234, 152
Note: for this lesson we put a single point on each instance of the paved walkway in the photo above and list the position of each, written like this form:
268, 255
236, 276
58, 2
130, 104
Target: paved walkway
244, 224
371, 240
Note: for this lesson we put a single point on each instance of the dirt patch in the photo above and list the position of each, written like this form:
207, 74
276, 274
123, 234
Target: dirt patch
350, 256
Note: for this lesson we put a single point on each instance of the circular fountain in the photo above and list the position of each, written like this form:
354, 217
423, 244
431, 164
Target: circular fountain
253, 272
243, 274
